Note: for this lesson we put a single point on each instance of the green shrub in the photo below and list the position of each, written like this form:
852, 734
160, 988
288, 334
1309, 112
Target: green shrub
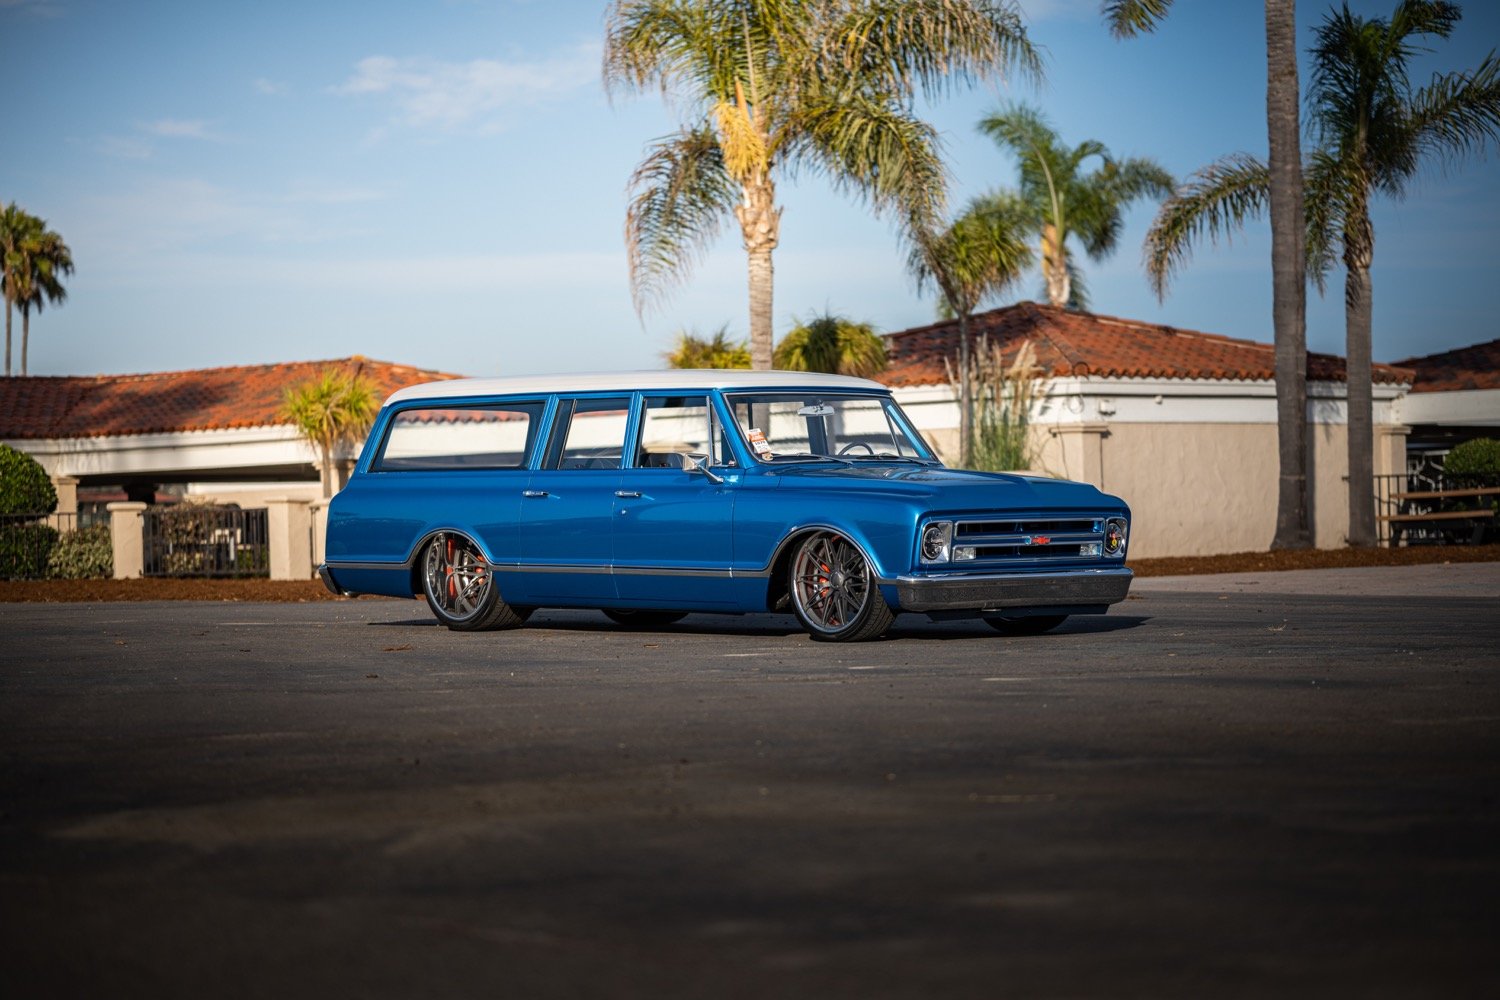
1479, 457
86, 554
24, 549
25, 487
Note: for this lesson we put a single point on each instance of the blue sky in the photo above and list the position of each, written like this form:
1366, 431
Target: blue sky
442, 184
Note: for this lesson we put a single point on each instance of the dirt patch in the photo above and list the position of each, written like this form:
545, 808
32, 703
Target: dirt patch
91, 591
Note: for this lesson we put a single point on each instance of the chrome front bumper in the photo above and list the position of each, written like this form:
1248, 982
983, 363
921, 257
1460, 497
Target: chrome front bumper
983, 592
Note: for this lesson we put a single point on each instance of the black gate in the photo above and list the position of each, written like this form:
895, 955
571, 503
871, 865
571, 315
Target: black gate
191, 540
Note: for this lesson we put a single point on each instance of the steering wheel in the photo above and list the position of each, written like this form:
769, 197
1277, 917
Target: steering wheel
846, 449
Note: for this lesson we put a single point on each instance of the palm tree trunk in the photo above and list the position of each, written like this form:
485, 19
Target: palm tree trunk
1357, 312
326, 448
1289, 282
25, 335
760, 225
965, 392
7, 337
1055, 267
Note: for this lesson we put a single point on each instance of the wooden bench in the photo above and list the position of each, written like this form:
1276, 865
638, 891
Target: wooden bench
1477, 518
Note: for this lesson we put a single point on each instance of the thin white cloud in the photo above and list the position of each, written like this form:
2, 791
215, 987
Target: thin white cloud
454, 96
125, 147
36, 8
271, 88
310, 193
180, 128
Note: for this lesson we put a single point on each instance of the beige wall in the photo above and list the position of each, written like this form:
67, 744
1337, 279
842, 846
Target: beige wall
1204, 489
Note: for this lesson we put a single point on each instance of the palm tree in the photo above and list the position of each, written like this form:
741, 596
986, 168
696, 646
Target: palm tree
334, 408
15, 227
1375, 129
980, 254
36, 261
718, 351
767, 86
833, 344
1127, 18
1063, 202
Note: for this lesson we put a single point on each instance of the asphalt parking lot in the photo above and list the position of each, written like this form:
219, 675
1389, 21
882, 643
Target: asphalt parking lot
1226, 788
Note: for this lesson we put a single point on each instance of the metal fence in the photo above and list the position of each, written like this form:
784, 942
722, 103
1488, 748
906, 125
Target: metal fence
27, 541
205, 541
1409, 494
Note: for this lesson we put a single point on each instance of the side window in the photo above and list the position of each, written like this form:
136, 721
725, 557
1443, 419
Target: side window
589, 434
677, 429
434, 438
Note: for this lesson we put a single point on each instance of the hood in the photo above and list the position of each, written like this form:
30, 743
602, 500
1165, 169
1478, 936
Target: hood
947, 489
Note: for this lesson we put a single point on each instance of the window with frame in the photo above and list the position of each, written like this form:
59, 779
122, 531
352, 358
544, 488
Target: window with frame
589, 433
677, 431
439, 438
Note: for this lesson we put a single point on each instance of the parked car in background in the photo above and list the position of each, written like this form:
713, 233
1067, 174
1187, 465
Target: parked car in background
652, 495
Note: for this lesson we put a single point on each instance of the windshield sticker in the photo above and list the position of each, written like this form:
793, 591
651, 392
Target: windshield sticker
758, 442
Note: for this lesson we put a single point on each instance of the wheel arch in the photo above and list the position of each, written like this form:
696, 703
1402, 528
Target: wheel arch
414, 557
776, 586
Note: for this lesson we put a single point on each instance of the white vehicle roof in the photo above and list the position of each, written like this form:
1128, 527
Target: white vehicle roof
644, 381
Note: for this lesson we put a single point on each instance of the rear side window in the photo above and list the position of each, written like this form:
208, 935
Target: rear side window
496, 436
589, 434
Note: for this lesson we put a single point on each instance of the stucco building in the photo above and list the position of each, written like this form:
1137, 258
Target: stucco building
1180, 423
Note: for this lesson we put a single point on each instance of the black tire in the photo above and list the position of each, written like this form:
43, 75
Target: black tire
460, 587
833, 591
643, 619
1029, 625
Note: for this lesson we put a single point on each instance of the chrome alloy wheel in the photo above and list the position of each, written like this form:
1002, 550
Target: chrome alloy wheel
457, 577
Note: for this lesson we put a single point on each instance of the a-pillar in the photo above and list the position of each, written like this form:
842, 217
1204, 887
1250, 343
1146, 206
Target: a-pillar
126, 532
289, 527
1082, 447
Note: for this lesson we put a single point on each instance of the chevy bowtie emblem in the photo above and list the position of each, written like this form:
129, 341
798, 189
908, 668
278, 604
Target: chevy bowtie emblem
1039, 540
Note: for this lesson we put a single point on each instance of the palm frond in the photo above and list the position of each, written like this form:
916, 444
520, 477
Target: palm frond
1128, 18
981, 254
680, 195
900, 46
877, 151
1212, 203
1458, 114
1326, 183
834, 344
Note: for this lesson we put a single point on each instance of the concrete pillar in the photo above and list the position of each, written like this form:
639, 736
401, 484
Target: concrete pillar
65, 517
1390, 449
126, 531
1082, 447
289, 525
318, 510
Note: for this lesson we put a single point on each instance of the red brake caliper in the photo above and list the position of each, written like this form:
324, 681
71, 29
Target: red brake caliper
448, 569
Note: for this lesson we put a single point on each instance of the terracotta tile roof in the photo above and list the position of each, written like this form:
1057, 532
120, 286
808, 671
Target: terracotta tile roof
1476, 367
1079, 343
204, 399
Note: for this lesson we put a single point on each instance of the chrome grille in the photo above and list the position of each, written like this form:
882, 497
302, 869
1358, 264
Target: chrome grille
1027, 538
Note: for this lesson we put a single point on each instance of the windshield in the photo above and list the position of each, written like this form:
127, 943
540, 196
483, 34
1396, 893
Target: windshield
804, 426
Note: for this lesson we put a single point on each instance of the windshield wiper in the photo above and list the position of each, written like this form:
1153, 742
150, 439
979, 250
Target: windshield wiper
807, 456
885, 456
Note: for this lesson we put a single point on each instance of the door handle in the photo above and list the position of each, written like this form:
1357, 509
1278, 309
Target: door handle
533, 493
628, 494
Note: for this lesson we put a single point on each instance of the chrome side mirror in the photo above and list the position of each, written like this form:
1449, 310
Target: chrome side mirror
699, 463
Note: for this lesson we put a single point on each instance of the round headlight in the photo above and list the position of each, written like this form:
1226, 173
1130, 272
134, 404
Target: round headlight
935, 538
1114, 536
